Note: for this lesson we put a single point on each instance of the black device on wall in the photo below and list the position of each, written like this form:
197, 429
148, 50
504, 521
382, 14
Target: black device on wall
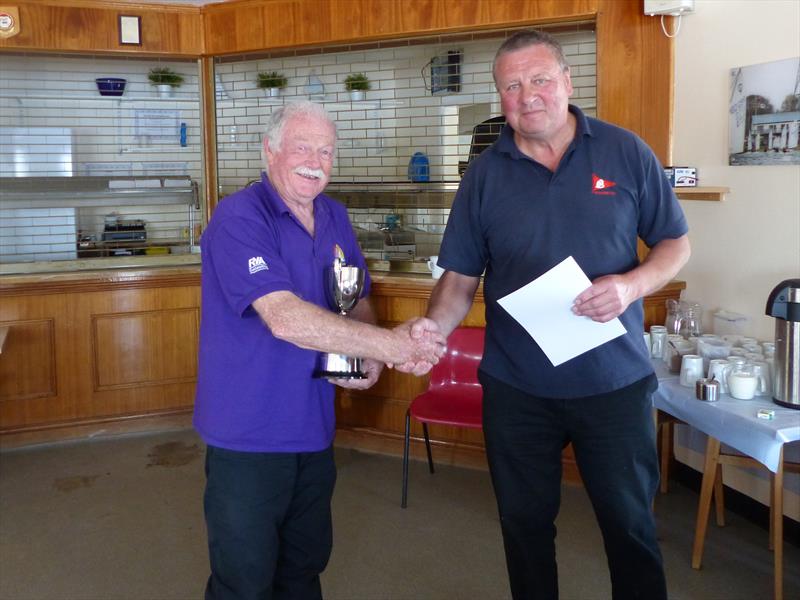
485, 134
446, 72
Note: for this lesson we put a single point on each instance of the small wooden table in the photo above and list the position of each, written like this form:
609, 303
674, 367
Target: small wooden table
734, 423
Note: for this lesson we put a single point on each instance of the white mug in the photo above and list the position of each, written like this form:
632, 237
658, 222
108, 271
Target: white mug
762, 372
647, 343
434, 268
691, 369
718, 370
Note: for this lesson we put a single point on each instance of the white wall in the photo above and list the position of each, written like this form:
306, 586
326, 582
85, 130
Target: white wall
744, 246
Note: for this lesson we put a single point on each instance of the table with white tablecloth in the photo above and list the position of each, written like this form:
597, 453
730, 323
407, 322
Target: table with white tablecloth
734, 423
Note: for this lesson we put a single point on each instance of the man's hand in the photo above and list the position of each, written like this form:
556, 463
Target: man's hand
371, 368
606, 298
426, 335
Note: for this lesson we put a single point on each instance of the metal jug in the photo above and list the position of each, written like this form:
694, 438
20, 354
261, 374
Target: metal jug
784, 304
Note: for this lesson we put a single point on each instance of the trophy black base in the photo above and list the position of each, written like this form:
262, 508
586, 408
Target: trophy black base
338, 375
338, 366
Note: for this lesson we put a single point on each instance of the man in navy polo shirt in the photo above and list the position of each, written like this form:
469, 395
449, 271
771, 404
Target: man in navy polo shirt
267, 422
557, 184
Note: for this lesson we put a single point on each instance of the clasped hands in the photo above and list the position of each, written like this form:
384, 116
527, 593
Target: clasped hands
427, 345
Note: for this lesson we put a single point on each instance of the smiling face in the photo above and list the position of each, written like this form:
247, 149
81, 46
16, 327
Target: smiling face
300, 168
534, 92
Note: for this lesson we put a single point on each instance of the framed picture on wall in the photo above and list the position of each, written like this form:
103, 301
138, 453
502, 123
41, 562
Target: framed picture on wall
764, 109
130, 30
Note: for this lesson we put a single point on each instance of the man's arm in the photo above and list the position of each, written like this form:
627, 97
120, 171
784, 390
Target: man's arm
309, 326
610, 295
450, 302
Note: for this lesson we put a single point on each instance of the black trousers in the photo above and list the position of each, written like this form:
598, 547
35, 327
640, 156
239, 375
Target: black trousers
269, 523
613, 436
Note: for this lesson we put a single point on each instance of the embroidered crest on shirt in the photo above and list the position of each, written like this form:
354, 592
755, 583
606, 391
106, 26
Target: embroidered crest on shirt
257, 264
601, 186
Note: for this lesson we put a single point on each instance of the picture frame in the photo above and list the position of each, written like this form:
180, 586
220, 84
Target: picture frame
764, 114
130, 30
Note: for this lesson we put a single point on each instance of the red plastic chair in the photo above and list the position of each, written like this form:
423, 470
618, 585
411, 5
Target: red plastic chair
454, 396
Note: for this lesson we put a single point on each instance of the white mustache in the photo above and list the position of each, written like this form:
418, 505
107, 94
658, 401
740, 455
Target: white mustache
305, 171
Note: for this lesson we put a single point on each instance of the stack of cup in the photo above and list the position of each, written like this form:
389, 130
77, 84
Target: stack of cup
691, 369
658, 340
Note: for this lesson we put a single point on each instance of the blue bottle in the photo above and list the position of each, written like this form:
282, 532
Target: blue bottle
419, 169
183, 134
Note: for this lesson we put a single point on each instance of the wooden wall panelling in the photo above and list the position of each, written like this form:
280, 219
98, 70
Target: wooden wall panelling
144, 350
78, 26
634, 74
117, 348
27, 365
252, 25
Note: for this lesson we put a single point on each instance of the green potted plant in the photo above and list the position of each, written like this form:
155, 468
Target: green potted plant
272, 81
165, 80
357, 84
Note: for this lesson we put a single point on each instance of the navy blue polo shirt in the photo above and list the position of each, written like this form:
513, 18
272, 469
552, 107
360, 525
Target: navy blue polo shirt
255, 393
516, 219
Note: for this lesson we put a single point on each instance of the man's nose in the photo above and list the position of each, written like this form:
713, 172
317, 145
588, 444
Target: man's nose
529, 94
313, 160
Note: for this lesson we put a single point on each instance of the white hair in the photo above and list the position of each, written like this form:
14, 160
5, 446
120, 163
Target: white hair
279, 117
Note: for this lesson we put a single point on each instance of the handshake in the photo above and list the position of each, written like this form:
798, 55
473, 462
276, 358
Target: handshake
420, 344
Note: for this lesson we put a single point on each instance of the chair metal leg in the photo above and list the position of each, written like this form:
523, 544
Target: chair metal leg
428, 446
404, 500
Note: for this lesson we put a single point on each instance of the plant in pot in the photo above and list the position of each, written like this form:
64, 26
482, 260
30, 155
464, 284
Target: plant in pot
272, 81
165, 80
357, 84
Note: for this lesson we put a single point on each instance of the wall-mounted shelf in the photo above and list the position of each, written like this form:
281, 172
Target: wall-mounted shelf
701, 193
96, 96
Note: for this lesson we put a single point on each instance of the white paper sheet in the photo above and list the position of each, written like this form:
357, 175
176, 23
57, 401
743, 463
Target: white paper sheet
544, 308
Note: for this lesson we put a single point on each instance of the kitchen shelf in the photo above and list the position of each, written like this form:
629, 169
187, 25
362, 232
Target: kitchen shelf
701, 193
96, 96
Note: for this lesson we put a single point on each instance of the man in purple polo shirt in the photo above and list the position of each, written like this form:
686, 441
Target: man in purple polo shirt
267, 422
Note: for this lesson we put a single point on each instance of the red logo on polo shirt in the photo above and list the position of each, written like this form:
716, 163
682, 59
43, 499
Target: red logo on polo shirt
601, 186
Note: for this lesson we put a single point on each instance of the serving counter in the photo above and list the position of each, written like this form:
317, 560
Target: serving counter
110, 345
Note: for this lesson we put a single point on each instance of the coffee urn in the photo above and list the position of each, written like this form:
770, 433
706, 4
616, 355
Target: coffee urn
784, 304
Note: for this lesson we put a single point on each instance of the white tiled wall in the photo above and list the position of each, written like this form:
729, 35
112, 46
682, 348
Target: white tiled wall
398, 117
53, 122
37, 234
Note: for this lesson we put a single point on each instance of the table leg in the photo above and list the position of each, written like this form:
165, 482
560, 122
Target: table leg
665, 438
719, 498
704, 506
776, 518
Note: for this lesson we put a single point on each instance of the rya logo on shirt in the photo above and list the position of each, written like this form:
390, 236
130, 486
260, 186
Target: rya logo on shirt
601, 186
257, 264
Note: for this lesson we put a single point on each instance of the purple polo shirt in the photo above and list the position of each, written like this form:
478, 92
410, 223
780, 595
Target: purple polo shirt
256, 393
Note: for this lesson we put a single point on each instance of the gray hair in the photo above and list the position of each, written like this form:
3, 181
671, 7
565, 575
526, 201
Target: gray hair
284, 114
531, 37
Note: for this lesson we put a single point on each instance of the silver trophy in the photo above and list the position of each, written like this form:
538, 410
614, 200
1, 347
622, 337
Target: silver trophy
343, 286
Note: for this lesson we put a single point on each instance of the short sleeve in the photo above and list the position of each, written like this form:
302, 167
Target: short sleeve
660, 214
463, 248
246, 260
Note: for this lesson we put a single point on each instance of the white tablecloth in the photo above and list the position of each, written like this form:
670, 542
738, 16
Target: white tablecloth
733, 422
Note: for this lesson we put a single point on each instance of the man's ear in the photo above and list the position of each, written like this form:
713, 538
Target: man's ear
267, 151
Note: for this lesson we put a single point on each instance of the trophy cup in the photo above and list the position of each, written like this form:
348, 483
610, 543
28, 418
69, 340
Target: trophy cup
343, 286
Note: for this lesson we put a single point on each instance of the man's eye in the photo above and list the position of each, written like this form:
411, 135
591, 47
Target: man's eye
541, 81
512, 86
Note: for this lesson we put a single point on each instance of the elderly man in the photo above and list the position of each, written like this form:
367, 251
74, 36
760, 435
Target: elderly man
267, 422
557, 184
